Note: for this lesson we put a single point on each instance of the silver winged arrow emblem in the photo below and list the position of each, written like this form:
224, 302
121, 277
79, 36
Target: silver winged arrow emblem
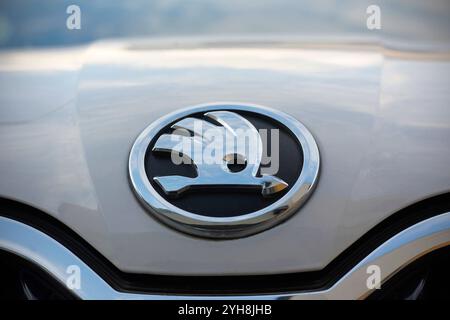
216, 174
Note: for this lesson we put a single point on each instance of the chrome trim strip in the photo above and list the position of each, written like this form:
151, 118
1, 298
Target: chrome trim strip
408, 245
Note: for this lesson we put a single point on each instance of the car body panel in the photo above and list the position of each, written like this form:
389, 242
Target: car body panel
380, 117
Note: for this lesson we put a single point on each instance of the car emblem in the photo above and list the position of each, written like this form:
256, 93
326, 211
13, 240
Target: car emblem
224, 170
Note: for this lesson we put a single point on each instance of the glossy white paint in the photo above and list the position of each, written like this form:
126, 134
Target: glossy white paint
68, 119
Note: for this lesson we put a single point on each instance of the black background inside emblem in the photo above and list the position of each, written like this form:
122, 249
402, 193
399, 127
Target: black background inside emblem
227, 202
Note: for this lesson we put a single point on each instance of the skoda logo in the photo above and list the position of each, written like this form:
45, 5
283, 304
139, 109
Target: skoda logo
224, 170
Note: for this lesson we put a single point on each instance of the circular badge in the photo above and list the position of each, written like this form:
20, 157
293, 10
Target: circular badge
224, 170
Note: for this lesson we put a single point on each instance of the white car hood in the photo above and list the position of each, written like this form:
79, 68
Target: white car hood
68, 118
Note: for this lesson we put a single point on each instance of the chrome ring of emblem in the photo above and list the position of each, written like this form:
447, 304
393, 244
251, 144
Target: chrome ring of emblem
225, 227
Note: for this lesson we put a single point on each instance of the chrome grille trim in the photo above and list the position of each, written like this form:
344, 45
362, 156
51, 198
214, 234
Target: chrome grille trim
391, 256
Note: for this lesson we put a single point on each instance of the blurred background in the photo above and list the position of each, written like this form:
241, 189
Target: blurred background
32, 23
